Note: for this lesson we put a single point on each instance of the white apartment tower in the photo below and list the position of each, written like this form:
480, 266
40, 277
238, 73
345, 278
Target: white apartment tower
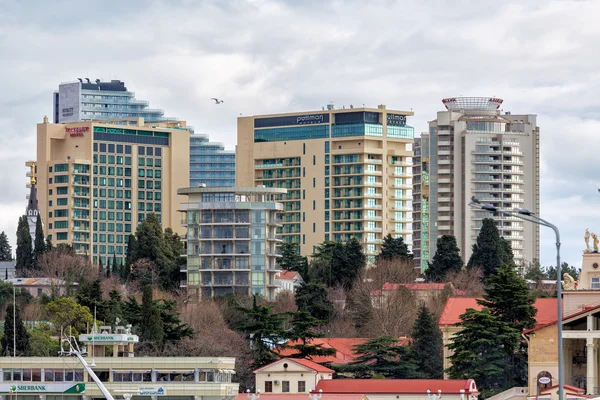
475, 149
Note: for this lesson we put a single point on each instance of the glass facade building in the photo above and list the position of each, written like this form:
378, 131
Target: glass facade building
348, 173
86, 101
210, 163
232, 240
97, 181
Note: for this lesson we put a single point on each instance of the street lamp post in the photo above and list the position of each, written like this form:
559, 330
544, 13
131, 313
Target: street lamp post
316, 396
531, 217
434, 396
253, 396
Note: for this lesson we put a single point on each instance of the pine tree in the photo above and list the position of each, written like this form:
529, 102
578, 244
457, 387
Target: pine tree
313, 298
40, 245
394, 248
14, 329
263, 329
427, 347
24, 247
5, 250
100, 268
291, 260
446, 259
383, 357
349, 264
479, 351
489, 251
303, 331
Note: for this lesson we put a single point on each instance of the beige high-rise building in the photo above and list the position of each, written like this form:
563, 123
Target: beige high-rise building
348, 172
475, 149
97, 180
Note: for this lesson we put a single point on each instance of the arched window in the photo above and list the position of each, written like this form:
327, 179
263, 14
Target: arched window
544, 381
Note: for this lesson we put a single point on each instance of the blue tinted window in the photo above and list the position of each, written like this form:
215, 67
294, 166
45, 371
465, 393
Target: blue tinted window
296, 133
402, 132
357, 130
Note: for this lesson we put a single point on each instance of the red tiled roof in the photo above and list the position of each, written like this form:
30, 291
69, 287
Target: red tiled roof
570, 389
301, 361
418, 287
302, 396
552, 318
286, 275
456, 306
394, 386
344, 349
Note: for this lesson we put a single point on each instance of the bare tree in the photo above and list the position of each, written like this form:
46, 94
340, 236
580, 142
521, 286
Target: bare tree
62, 263
468, 283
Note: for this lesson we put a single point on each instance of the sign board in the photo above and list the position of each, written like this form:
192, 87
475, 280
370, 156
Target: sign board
396, 119
43, 387
78, 131
544, 380
69, 101
306, 119
108, 338
152, 391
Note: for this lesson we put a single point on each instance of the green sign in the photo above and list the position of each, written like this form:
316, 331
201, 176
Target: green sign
41, 387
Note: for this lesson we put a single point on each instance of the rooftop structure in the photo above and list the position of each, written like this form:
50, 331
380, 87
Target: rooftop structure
210, 164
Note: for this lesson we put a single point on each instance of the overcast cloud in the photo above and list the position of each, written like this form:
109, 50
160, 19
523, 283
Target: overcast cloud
266, 56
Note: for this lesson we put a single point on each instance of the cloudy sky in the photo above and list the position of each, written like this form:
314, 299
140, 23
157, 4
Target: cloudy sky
267, 56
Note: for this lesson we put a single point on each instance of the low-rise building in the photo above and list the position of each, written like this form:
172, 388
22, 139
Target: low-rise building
423, 291
288, 281
409, 389
291, 375
38, 286
64, 378
7, 269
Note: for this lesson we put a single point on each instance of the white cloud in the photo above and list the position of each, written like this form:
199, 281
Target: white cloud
267, 56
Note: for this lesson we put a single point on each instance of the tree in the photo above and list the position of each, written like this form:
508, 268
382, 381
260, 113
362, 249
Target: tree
114, 307
40, 245
24, 247
131, 251
49, 243
565, 268
115, 270
427, 347
15, 333
151, 324
90, 296
263, 329
5, 249
536, 273
301, 333
337, 264
479, 353
62, 263
394, 248
446, 259
490, 251
65, 313
291, 260
383, 357
100, 268
41, 342
313, 298
507, 297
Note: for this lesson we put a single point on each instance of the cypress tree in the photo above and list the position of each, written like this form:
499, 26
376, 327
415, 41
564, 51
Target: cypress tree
427, 347
14, 330
100, 267
48, 243
40, 245
24, 247
447, 258
489, 252
131, 251
152, 323
5, 250
115, 270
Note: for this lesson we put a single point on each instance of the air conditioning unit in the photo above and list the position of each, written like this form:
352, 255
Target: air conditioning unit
276, 382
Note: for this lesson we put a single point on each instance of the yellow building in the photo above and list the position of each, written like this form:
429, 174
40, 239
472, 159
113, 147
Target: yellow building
348, 172
97, 180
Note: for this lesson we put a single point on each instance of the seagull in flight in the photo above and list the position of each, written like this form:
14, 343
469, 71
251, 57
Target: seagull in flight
217, 101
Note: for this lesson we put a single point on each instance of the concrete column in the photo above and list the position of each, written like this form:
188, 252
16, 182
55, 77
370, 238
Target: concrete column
568, 363
590, 323
591, 361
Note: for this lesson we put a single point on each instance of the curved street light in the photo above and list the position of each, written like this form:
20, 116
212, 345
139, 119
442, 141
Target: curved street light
316, 396
253, 396
434, 396
527, 215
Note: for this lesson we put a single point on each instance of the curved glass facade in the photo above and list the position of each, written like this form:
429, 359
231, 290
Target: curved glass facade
210, 163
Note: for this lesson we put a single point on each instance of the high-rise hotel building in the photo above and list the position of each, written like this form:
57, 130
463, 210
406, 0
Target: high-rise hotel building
348, 172
97, 180
475, 149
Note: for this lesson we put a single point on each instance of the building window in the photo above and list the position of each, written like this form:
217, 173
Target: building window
302, 384
268, 386
285, 386
595, 283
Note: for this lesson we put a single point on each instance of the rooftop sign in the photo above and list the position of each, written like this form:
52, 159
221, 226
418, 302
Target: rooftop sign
42, 387
108, 338
73, 132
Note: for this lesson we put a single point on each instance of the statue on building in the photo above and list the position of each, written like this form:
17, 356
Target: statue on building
595, 237
568, 282
586, 237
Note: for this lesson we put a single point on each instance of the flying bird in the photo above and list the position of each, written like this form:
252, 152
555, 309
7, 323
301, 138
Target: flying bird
217, 101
